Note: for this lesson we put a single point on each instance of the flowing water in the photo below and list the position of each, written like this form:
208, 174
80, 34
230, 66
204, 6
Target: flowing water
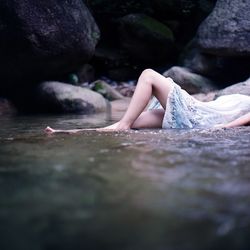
142, 189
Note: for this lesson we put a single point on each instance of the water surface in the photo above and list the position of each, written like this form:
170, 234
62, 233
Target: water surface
142, 189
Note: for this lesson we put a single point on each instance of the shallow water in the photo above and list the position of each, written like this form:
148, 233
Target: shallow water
143, 189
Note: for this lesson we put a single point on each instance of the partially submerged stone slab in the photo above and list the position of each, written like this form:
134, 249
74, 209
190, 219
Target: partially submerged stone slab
66, 98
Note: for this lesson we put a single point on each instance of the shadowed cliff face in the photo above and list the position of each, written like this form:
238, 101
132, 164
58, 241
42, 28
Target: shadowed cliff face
146, 189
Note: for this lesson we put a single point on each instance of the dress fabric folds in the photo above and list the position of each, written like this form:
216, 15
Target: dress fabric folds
184, 111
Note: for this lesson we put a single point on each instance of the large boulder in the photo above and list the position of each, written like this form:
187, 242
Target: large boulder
41, 39
223, 70
57, 97
191, 82
226, 31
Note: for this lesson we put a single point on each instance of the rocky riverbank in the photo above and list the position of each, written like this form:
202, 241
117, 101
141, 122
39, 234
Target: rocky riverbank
54, 56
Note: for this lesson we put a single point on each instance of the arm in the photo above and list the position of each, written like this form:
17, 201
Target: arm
241, 121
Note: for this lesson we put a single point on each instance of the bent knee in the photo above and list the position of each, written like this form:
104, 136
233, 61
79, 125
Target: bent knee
148, 72
148, 75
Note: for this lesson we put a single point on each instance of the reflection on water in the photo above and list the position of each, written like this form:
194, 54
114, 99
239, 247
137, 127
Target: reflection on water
143, 189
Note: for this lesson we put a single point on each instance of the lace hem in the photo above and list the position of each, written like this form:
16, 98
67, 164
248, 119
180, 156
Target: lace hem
181, 111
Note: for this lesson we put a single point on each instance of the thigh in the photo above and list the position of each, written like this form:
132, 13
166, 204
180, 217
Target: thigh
161, 87
150, 119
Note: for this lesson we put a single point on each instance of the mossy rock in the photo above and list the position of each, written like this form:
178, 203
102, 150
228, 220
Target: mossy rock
58, 97
146, 25
146, 39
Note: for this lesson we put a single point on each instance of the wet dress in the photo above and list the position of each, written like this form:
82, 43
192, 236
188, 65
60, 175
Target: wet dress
184, 111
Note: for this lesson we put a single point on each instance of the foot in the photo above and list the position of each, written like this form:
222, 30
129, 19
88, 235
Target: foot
49, 130
115, 127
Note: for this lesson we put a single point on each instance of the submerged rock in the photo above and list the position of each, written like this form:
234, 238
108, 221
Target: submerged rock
66, 98
189, 81
226, 31
41, 39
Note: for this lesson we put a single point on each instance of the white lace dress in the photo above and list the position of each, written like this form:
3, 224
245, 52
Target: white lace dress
184, 111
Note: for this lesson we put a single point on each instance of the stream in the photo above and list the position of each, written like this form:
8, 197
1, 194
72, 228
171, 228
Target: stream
133, 190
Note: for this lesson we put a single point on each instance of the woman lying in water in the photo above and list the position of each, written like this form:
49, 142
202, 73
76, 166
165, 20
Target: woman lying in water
173, 107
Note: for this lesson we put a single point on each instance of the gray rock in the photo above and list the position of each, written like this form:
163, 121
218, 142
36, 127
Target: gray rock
41, 39
223, 70
226, 31
66, 98
198, 62
191, 82
238, 88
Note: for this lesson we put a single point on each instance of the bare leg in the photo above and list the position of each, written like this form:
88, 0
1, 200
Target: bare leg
149, 119
149, 83
50, 130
